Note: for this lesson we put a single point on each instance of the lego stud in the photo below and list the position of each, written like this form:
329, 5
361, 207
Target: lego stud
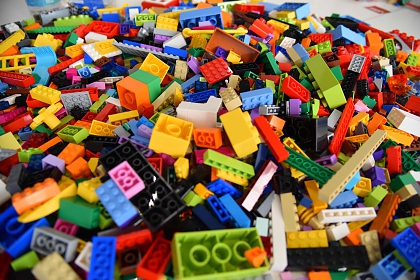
239, 250
199, 255
173, 130
221, 254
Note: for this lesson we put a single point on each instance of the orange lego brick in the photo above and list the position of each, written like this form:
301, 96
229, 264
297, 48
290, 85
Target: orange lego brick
72, 152
384, 216
50, 143
13, 50
374, 42
375, 122
208, 137
306, 42
255, 256
275, 122
353, 238
319, 275
32, 197
401, 56
86, 125
133, 94
79, 169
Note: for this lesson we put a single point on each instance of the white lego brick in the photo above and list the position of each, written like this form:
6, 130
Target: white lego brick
177, 41
328, 216
273, 13
390, 70
415, 174
4, 195
337, 232
83, 259
369, 163
79, 41
287, 42
262, 225
77, 63
92, 37
404, 121
278, 237
132, 12
116, 102
165, 32
11, 99
11, 27
27, 70
200, 114
90, 50
333, 119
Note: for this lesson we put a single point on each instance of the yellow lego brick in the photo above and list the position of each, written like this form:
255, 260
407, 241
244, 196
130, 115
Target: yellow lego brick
370, 240
202, 191
305, 214
75, 50
234, 81
20, 61
12, 40
102, 129
171, 136
93, 164
121, 118
233, 57
290, 212
286, 14
312, 188
48, 40
53, 265
230, 98
198, 41
182, 168
80, 245
8, 141
167, 97
119, 10
243, 136
45, 94
68, 189
360, 117
46, 115
363, 187
307, 239
355, 225
167, 23
358, 138
178, 97
155, 66
105, 47
86, 189
398, 136
279, 26
303, 24
231, 177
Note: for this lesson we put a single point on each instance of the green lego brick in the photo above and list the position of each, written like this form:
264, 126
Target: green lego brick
279, 92
270, 63
152, 82
155, 117
400, 181
117, 272
307, 84
99, 104
142, 18
305, 108
79, 212
196, 52
370, 102
375, 197
326, 24
412, 60
71, 40
215, 254
314, 170
42, 129
2, 132
192, 199
324, 47
342, 158
73, 134
25, 155
105, 220
270, 84
73, 21
401, 224
252, 75
229, 164
27, 261
337, 73
389, 47
52, 29
28, 21
339, 275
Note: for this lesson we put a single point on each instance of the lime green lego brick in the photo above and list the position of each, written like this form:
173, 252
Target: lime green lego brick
402, 260
105, 220
192, 199
270, 84
52, 29
27, 261
28, 21
73, 134
381, 162
337, 73
142, 18
389, 47
196, 52
370, 102
326, 24
302, 74
155, 117
263, 47
324, 47
64, 121
152, 82
401, 224
334, 96
339, 275
79, 212
73, 21
230, 6
375, 197
400, 181
279, 92
99, 104
288, 20
412, 60
17, 137
229, 164
25, 155
215, 254
342, 158
315, 108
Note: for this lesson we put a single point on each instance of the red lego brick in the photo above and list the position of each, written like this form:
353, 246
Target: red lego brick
33, 103
93, 92
390, 98
89, 155
260, 28
142, 239
109, 29
108, 109
364, 28
36, 140
80, 31
274, 78
393, 159
6, 164
319, 38
414, 70
294, 89
215, 70
15, 79
322, 111
63, 65
271, 139
148, 110
244, 8
413, 104
344, 56
378, 96
162, 4
63, 58
89, 117
342, 126
5, 260
154, 263
285, 67
22, 121
157, 163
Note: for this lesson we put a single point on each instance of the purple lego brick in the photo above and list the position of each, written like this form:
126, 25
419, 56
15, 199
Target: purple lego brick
145, 150
360, 205
378, 154
254, 114
152, 48
124, 28
194, 64
327, 160
221, 52
159, 39
144, 131
306, 228
259, 39
376, 175
51, 160
126, 179
204, 23
294, 106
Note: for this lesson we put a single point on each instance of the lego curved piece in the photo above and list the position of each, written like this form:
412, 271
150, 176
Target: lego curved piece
46, 58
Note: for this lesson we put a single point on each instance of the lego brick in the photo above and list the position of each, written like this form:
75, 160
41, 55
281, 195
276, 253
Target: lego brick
141, 51
215, 71
155, 261
307, 239
219, 160
88, 214
15, 79
220, 188
388, 268
239, 218
278, 237
405, 242
52, 264
83, 259
27, 261
341, 130
207, 218
102, 258
346, 215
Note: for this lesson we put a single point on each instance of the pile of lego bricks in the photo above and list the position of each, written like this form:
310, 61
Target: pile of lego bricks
223, 140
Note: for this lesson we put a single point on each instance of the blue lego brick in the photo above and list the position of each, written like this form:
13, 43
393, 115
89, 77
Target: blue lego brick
118, 206
35, 163
260, 157
24, 133
190, 83
346, 33
353, 181
302, 10
192, 18
306, 201
175, 51
200, 86
218, 209
141, 140
146, 122
268, 7
133, 124
207, 218
221, 52
84, 72
202, 96
112, 93
131, 43
256, 98
87, 59
344, 200
15, 237
389, 268
102, 260
4, 105
300, 50
220, 187
283, 51
111, 17
239, 218
388, 107
407, 243
259, 84
245, 38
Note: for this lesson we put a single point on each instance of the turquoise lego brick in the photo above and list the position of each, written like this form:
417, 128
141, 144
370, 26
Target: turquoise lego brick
353, 181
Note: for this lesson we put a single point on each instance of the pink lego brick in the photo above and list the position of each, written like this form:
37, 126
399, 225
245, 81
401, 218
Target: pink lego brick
127, 179
66, 227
